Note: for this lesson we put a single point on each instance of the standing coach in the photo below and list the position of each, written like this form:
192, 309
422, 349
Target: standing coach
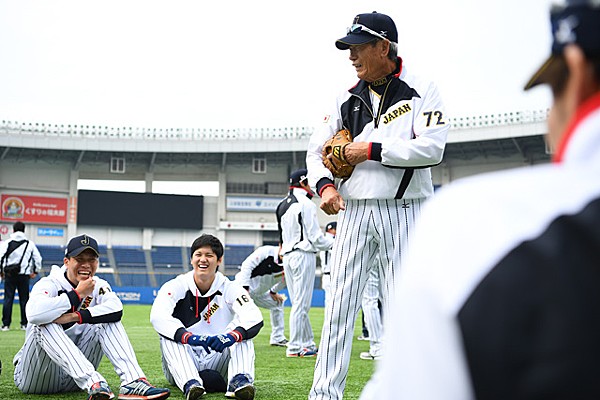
399, 127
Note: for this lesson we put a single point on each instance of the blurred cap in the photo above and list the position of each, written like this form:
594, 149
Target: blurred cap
331, 225
79, 243
574, 22
380, 23
298, 176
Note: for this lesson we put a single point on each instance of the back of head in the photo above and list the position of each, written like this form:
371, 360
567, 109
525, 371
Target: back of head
18, 227
573, 22
298, 176
208, 240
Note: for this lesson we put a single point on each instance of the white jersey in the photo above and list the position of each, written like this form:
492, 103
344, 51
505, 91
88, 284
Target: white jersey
498, 295
261, 272
409, 136
60, 358
179, 307
298, 224
53, 295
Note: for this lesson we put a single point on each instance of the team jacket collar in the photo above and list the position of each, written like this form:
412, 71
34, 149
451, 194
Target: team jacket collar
581, 137
214, 288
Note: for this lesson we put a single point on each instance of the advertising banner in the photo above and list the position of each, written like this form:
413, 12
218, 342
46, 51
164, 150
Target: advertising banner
45, 210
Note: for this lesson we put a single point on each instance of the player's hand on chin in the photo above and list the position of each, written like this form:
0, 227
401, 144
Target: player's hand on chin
85, 287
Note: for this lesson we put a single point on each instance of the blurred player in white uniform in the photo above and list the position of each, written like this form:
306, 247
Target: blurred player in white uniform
498, 294
206, 324
75, 319
372, 314
399, 127
300, 239
261, 273
325, 255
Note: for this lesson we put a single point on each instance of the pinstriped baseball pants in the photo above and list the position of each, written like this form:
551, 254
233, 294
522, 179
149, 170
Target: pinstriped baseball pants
52, 362
182, 362
299, 267
366, 229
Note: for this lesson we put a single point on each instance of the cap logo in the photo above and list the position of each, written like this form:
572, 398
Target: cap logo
85, 241
565, 33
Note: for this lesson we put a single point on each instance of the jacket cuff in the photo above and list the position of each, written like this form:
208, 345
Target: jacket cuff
324, 183
179, 335
375, 152
84, 316
74, 298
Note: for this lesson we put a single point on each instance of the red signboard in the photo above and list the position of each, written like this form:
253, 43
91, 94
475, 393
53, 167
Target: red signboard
48, 210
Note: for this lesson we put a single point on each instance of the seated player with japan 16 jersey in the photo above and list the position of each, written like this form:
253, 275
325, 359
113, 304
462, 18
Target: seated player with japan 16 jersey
206, 324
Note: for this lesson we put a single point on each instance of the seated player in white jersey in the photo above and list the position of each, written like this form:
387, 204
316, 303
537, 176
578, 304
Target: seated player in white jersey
75, 319
261, 273
206, 324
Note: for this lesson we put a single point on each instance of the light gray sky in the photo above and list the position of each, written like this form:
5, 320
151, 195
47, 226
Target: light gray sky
239, 63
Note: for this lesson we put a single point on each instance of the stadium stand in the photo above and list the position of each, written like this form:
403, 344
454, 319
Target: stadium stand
234, 256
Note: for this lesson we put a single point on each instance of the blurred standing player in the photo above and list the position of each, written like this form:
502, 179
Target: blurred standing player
372, 314
399, 127
206, 324
330, 230
74, 319
300, 239
261, 273
24, 253
506, 306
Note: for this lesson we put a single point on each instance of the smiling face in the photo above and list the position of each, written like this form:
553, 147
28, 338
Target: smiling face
82, 266
371, 61
205, 263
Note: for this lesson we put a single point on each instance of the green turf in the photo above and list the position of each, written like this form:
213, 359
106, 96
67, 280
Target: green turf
277, 377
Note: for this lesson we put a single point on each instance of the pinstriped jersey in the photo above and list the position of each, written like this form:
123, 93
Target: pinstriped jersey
179, 307
53, 295
405, 120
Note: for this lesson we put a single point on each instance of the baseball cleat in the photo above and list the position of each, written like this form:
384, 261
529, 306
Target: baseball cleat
304, 353
100, 391
240, 388
281, 343
362, 337
366, 355
141, 389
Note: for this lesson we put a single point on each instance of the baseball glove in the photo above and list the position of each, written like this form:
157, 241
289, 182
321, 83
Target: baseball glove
337, 163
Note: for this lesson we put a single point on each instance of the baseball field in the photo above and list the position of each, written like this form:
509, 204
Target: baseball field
277, 377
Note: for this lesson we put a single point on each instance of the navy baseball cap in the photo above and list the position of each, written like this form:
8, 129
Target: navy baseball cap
368, 27
331, 225
298, 176
80, 243
576, 22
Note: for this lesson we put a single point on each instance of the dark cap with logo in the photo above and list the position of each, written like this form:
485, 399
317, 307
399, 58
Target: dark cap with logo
331, 225
298, 176
576, 22
80, 243
379, 23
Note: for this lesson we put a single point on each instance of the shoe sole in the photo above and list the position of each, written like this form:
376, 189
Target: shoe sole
279, 344
195, 393
245, 393
159, 396
102, 396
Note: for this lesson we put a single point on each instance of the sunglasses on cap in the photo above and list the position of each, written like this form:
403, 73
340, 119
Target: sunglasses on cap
357, 28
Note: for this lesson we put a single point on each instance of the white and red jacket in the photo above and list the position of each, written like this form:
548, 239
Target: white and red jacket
499, 295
